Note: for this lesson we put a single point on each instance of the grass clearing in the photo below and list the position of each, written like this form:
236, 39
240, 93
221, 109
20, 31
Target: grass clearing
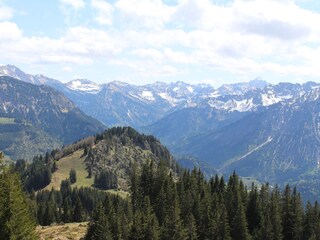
6, 120
73, 231
75, 161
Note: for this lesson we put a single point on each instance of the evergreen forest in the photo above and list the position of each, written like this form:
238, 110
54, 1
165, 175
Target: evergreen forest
162, 204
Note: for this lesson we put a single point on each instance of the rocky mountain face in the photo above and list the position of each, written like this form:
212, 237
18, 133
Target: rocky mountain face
278, 144
118, 103
215, 112
42, 111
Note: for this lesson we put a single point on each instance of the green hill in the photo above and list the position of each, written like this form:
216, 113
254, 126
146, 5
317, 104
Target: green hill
113, 152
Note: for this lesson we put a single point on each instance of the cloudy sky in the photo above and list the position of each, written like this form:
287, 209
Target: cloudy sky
143, 41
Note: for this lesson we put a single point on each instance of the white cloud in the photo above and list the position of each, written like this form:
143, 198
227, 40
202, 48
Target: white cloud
9, 31
76, 4
104, 11
148, 53
150, 14
177, 57
79, 45
5, 12
151, 38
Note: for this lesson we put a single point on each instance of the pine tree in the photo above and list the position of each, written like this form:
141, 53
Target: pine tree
298, 212
222, 227
253, 210
275, 214
73, 176
236, 210
172, 227
240, 228
287, 214
150, 222
78, 213
99, 227
67, 210
191, 228
16, 221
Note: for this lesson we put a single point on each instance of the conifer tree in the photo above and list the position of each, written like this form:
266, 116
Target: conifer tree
99, 227
172, 227
222, 228
16, 221
67, 210
73, 176
297, 211
275, 214
253, 210
78, 214
287, 214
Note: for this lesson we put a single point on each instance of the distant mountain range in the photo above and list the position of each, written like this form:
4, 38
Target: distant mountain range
263, 131
119, 103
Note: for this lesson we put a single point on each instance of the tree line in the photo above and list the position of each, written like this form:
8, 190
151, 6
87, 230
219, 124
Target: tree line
162, 205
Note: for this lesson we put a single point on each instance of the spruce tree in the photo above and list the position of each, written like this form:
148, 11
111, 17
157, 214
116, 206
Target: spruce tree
78, 213
222, 227
16, 221
73, 176
275, 214
99, 226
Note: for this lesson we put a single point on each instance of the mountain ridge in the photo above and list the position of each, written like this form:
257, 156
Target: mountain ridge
39, 109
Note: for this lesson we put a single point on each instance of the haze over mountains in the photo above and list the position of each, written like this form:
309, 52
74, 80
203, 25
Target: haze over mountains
268, 132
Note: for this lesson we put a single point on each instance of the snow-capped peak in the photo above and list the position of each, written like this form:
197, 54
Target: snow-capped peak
12, 71
83, 85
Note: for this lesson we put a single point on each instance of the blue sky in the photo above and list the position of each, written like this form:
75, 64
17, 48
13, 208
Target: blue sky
143, 41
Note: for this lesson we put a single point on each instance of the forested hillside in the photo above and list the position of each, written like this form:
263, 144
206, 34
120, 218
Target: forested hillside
164, 201
161, 206
34, 119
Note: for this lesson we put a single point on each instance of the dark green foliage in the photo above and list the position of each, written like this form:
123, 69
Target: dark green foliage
106, 179
165, 206
78, 211
73, 176
16, 220
35, 175
99, 228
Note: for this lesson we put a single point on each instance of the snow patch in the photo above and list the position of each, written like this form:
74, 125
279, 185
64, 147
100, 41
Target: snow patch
84, 86
269, 99
190, 89
233, 105
165, 96
147, 95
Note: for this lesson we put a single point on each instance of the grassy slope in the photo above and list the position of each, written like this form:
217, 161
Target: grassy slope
75, 161
65, 164
73, 231
6, 120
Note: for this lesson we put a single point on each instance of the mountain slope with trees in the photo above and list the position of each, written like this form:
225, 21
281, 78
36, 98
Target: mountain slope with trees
280, 144
38, 114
